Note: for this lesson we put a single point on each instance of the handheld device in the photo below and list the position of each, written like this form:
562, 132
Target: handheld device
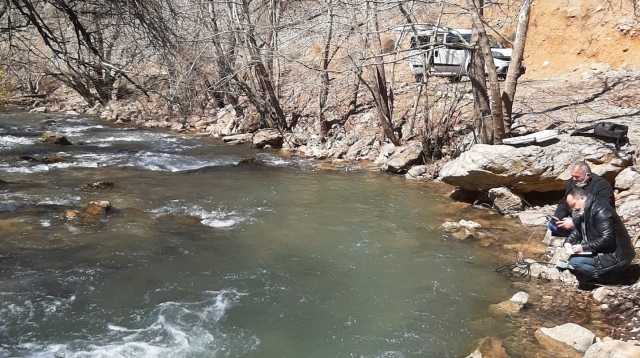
552, 219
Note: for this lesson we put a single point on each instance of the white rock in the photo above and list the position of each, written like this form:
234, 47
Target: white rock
520, 298
613, 349
600, 294
571, 334
470, 224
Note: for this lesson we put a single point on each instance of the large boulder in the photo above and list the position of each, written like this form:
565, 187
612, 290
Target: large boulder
270, 137
55, 138
404, 157
534, 168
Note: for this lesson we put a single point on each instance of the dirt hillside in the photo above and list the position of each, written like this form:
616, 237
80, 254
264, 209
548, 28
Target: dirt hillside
570, 35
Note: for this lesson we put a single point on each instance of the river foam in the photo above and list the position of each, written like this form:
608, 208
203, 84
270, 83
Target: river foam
172, 329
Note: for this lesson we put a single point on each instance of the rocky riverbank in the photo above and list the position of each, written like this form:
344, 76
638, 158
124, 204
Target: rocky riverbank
515, 181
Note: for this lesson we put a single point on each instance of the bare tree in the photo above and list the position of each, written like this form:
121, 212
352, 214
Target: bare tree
494, 84
78, 40
516, 58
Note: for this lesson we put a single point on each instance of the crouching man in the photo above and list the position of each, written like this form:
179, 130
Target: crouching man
601, 244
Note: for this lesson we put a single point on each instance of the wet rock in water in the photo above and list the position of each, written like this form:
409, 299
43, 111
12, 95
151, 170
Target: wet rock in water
39, 110
97, 207
505, 201
270, 137
238, 138
98, 185
613, 349
55, 138
23, 158
464, 234
469, 224
55, 159
71, 214
248, 161
511, 306
9, 207
450, 226
565, 339
488, 348
47, 122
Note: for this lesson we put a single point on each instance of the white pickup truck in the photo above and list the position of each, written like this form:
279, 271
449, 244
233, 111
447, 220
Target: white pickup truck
436, 48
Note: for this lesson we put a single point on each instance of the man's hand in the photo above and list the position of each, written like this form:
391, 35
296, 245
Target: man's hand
568, 249
566, 223
577, 248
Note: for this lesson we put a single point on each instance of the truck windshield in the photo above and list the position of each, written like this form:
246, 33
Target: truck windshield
467, 37
425, 40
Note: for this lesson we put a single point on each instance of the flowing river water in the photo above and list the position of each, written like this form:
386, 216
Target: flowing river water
202, 257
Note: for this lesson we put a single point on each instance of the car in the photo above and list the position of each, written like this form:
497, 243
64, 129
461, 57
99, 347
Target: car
442, 51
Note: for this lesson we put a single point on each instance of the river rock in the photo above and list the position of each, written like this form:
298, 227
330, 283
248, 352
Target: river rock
70, 214
534, 168
238, 138
54, 159
469, 224
39, 110
386, 150
489, 347
98, 185
564, 336
628, 207
599, 294
360, 148
97, 207
505, 201
404, 157
55, 138
628, 179
613, 349
271, 137
450, 226
511, 306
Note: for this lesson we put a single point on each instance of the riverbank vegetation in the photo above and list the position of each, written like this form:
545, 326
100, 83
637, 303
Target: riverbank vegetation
273, 61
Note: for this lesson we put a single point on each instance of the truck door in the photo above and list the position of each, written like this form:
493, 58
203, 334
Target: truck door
452, 58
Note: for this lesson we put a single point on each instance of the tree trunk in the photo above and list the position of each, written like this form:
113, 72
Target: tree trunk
478, 79
516, 58
324, 77
494, 84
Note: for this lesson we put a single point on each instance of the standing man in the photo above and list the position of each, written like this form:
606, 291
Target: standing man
583, 178
600, 243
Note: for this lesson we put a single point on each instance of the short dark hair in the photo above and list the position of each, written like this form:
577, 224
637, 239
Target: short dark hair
577, 192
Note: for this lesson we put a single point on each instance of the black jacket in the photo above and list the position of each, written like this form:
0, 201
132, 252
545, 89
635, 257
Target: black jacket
596, 186
601, 231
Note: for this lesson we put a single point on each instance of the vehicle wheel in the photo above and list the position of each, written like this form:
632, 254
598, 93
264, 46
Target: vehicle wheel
419, 78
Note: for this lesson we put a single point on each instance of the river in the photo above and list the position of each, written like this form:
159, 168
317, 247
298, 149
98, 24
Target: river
202, 257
